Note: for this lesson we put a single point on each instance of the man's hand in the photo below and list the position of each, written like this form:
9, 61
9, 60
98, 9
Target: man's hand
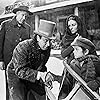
46, 77
2, 65
41, 75
49, 79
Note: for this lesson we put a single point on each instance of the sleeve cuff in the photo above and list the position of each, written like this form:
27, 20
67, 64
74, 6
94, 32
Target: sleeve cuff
38, 75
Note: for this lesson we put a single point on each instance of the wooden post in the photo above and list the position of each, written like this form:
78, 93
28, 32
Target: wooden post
76, 11
36, 22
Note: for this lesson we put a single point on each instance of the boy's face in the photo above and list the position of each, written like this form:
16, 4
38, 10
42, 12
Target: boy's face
78, 52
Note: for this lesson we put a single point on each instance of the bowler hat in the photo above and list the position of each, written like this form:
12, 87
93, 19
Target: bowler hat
46, 29
83, 42
22, 8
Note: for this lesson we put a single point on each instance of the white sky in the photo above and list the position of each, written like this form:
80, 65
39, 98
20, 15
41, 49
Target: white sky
4, 3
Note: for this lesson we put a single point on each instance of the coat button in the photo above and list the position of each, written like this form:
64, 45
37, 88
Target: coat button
20, 39
16, 40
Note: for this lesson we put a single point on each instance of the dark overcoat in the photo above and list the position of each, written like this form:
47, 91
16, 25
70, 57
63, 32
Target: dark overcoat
10, 35
27, 60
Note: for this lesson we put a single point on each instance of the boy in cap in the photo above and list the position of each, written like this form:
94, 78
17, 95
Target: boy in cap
86, 64
26, 70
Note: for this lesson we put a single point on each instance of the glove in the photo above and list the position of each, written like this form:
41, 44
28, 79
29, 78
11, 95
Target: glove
49, 79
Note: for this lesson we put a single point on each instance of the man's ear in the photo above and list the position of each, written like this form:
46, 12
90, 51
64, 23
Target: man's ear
38, 38
86, 52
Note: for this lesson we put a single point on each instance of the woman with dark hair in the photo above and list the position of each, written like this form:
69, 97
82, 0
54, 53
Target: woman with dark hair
74, 28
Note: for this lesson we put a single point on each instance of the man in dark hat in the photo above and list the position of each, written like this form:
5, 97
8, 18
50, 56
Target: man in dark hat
26, 70
12, 32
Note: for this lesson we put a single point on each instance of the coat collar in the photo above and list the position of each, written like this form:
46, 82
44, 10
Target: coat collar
93, 57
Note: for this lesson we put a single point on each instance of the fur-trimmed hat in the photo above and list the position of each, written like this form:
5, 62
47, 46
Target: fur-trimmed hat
22, 8
46, 29
85, 43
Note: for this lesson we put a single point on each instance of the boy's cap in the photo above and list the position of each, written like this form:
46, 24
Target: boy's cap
85, 43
